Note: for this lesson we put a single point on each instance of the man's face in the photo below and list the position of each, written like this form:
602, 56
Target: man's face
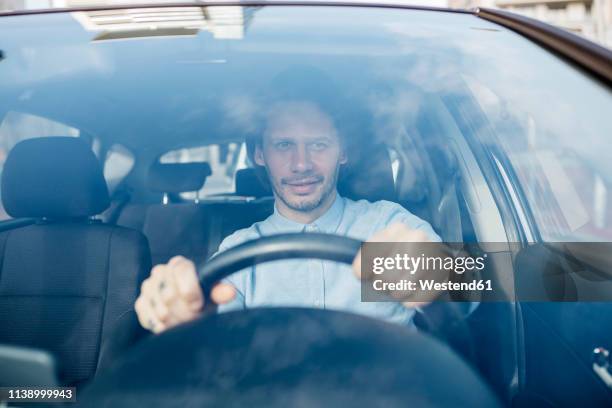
302, 155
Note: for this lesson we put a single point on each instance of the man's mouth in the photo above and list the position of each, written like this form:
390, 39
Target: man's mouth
303, 186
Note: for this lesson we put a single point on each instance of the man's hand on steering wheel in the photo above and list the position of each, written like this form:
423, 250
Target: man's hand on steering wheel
172, 295
418, 242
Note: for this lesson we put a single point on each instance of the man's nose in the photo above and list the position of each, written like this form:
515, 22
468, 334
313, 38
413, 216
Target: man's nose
301, 159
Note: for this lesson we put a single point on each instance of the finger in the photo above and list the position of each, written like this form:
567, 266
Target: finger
166, 295
167, 288
187, 283
165, 285
157, 326
176, 260
157, 303
412, 305
140, 313
180, 309
146, 317
162, 276
223, 293
181, 312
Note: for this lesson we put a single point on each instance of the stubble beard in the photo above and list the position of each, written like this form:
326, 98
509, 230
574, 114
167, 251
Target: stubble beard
305, 204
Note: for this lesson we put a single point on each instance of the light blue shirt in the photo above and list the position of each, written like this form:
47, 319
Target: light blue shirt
315, 283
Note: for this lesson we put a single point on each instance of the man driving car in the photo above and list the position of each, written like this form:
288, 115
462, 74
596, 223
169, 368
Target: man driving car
302, 153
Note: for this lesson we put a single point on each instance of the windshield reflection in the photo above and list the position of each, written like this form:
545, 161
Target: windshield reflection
224, 22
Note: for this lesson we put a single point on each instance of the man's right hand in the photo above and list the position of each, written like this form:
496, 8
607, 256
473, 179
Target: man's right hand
172, 295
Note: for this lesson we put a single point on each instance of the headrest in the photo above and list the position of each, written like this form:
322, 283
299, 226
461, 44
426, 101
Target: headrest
368, 176
178, 177
249, 184
53, 177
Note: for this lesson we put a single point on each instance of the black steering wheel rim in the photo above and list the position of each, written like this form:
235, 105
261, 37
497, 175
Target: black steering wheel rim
333, 248
277, 247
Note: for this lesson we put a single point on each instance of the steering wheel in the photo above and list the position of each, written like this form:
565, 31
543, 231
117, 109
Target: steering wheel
333, 248
274, 248
278, 357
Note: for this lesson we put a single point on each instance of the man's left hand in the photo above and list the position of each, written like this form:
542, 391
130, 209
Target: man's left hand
401, 234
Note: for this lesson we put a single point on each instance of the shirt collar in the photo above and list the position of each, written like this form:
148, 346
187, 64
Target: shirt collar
327, 223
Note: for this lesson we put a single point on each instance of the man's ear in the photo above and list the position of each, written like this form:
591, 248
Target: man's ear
343, 157
258, 156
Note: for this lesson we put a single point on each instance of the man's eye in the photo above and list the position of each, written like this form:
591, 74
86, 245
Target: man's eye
282, 145
320, 145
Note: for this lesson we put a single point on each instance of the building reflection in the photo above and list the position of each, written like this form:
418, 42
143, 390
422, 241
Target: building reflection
223, 22
589, 18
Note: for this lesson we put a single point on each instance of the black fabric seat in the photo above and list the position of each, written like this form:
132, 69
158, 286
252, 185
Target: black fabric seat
191, 229
176, 229
368, 175
249, 184
172, 228
67, 281
228, 217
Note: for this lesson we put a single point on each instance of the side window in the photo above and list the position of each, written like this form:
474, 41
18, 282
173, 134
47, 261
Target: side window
568, 195
17, 126
118, 163
224, 160
564, 175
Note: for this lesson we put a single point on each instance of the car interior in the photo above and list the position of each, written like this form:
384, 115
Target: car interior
76, 243
106, 244
87, 249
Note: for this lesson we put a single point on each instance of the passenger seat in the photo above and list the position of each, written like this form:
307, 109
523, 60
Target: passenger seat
194, 229
172, 228
255, 203
66, 281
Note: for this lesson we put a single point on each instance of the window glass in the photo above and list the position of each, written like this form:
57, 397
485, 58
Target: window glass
224, 161
557, 161
17, 126
119, 161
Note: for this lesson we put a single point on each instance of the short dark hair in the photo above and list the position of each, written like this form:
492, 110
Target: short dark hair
311, 85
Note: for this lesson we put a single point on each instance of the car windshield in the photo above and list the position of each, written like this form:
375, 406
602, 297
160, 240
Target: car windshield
218, 125
189, 84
